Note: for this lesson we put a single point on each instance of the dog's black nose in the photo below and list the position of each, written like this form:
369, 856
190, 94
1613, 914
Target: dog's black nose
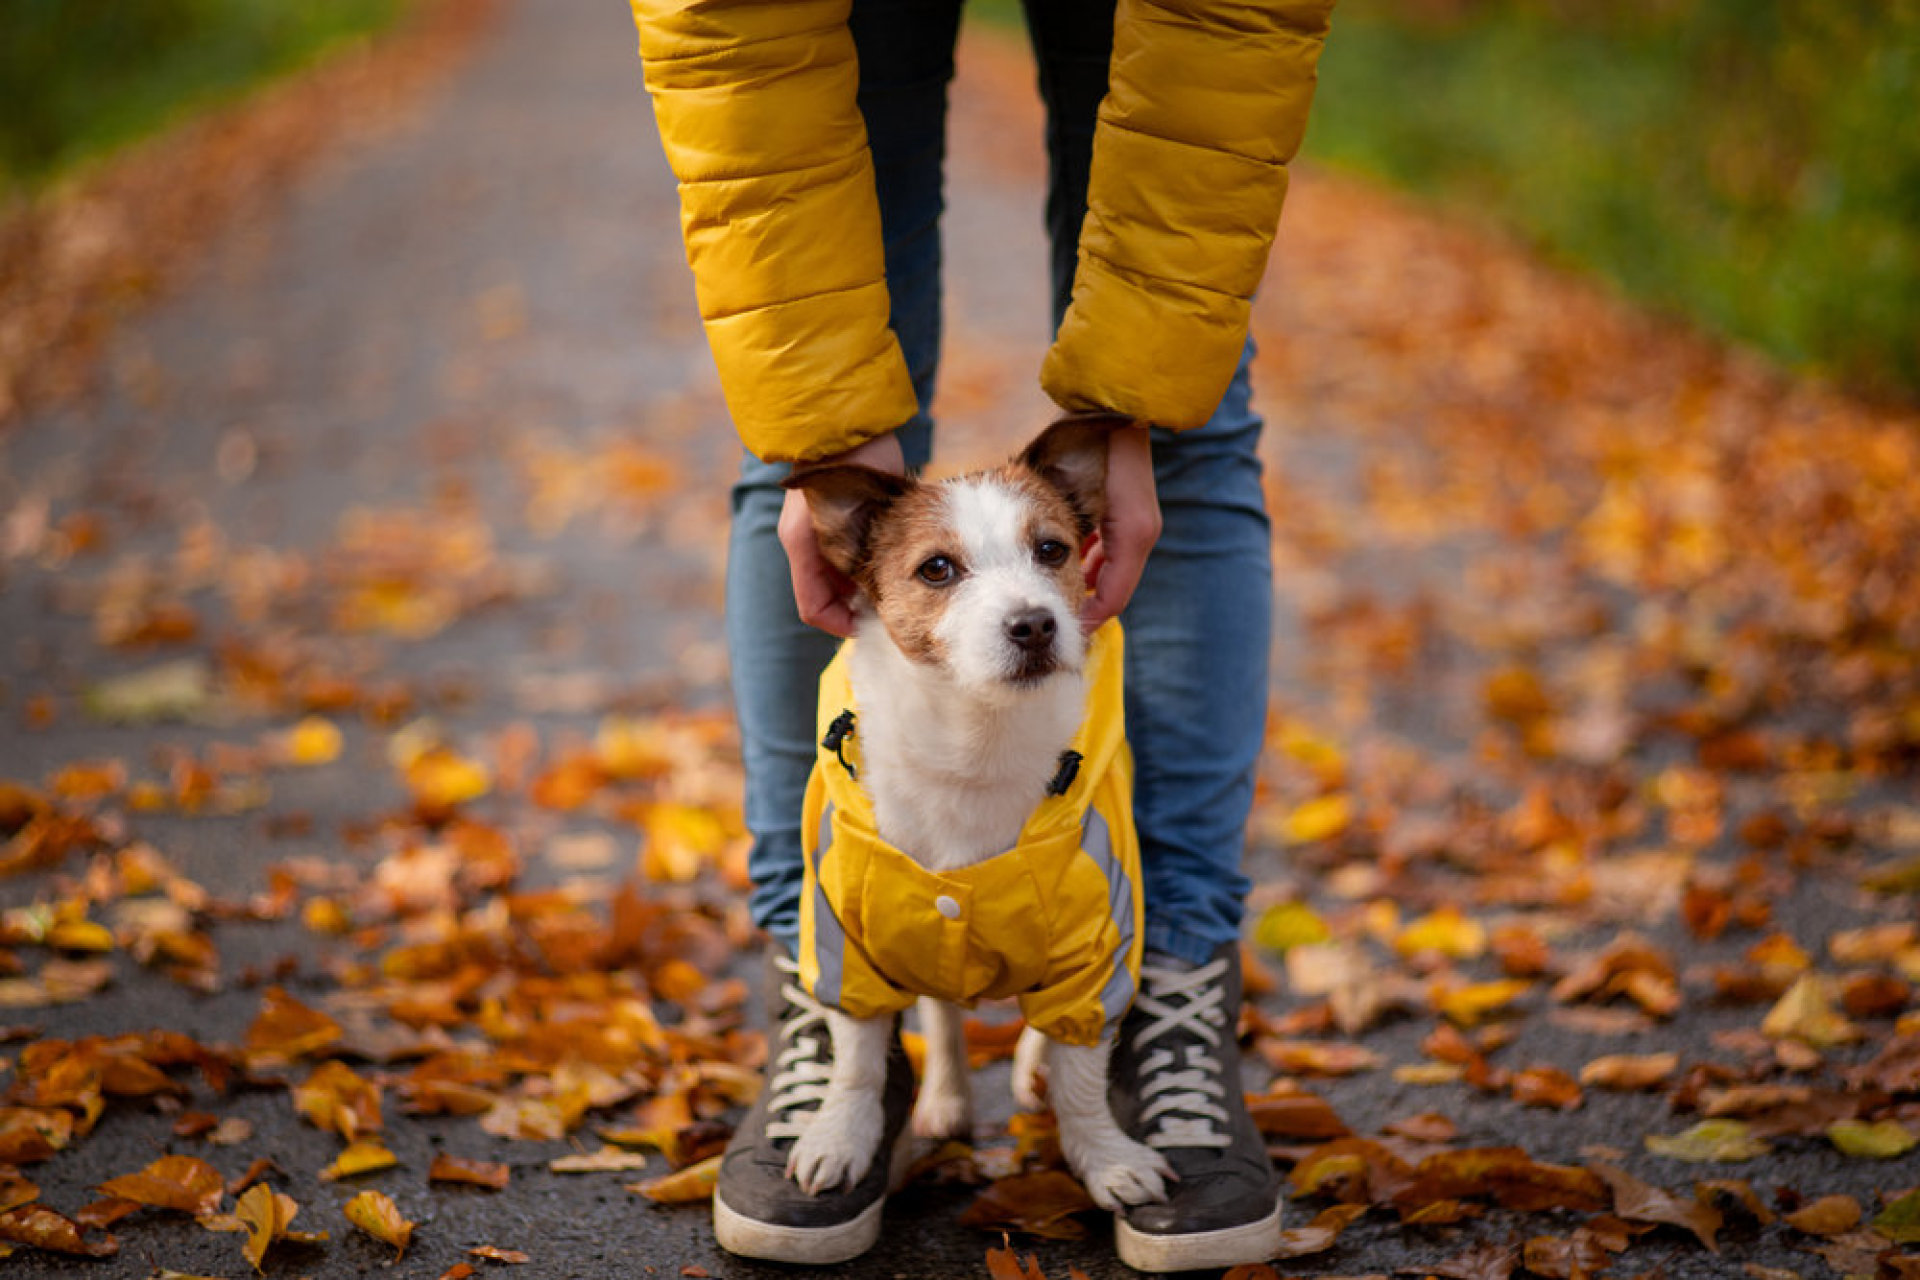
1031, 629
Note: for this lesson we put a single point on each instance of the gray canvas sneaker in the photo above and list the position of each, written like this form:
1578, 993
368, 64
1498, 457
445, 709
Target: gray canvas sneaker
758, 1211
1176, 1087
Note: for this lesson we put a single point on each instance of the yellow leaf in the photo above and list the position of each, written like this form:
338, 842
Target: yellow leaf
441, 778
1320, 818
376, 1214
1882, 1140
1710, 1141
681, 839
266, 1214
1467, 1005
695, 1182
1445, 931
80, 935
362, 1156
1806, 1013
1289, 924
315, 740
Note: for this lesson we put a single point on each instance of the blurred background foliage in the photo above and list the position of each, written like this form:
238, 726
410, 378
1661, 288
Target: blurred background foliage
80, 77
1752, 164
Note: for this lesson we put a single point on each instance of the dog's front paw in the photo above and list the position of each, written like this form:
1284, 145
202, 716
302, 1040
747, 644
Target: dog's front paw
943, 1113
1123, 1172
1030, 1071
830, 1155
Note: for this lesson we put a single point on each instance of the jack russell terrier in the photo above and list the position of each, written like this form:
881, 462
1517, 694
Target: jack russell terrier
969, 820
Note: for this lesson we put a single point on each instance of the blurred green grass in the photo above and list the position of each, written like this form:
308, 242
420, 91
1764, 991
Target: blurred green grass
79, 78
1752, 164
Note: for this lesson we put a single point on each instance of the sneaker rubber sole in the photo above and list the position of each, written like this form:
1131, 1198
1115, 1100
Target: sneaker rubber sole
1249, 1242
815, 1246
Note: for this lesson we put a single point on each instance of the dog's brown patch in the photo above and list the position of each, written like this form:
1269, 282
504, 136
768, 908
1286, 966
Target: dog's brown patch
908, 534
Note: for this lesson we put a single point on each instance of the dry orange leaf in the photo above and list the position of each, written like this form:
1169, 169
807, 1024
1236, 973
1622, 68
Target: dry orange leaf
334, 1097
478, 1173
494, 1253
267, 1216
1627, 1072
695, 1182
1040, 1204
285, 1030
181, 1183
1827, 1216
41, 1227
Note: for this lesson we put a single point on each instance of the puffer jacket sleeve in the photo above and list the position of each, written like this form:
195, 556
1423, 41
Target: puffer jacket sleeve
1206, 106
755, 101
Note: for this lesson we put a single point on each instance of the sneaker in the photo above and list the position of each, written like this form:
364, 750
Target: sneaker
1176, 1087
759, 1212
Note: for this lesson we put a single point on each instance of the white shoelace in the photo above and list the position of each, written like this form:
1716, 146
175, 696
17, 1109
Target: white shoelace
799, 1074
1183, 1090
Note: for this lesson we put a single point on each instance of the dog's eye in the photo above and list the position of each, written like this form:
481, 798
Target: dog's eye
1051, 553
938, 571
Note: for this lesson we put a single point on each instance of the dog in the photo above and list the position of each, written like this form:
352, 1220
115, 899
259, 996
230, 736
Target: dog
969, 813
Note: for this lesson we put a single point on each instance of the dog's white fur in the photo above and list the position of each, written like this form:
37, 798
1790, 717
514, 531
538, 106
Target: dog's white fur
956, 753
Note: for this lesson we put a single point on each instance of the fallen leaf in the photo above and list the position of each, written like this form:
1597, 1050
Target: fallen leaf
1827, 1216
41, 1227
1900, 1221
1881, 1140
363, 1155
1040, 1204
180, 1183
1710, 1141
1637, 1201
493, 1253
1321, 818
1627, 1072
378, 1216
1005, 1264
335, 1098
1286, 925
1807, 1013
1318, 1235
695, 1182
606, 1160
267, 1216
286, 1030
1447, 932
1313, 1058
479, 1173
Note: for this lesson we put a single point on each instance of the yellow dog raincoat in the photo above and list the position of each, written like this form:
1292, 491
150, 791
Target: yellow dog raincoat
1052, 921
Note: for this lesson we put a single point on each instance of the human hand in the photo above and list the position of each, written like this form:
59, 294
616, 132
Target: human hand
824, 595
1128, 530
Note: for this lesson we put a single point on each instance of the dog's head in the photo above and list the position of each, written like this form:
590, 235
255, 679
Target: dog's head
979, 575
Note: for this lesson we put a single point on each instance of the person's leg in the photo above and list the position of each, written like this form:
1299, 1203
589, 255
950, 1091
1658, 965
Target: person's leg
906, 61
1198, 631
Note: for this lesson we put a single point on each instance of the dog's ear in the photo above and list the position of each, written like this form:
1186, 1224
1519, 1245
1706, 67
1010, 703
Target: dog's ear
1071, 455
843, 500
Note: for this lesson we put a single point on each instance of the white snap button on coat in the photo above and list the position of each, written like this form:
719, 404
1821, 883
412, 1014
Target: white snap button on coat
947, 907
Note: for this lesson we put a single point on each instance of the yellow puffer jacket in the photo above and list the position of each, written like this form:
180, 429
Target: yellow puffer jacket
756, 105
1051, 921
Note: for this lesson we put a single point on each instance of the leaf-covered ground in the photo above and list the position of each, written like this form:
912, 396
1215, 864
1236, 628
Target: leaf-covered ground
372, 852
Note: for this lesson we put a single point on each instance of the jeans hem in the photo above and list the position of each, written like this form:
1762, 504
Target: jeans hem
1184, 944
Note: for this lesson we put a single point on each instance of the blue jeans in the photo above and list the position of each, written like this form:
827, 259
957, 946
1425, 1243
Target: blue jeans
1198, 627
